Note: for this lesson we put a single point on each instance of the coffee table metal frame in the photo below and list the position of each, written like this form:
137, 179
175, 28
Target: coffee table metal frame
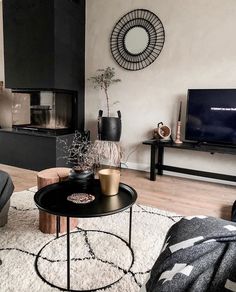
44, 191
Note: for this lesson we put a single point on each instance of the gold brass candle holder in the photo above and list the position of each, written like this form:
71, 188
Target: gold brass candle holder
178, 127
177, 140
109, 181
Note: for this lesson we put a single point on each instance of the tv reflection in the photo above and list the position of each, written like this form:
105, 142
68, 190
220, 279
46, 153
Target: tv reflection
213, 128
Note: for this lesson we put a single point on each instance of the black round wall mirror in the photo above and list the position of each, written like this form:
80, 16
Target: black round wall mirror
137, 39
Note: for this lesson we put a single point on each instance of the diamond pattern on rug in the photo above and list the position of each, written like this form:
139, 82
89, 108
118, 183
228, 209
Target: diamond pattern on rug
98, 251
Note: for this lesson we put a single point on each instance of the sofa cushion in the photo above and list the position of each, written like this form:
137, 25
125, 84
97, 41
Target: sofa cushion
6, 188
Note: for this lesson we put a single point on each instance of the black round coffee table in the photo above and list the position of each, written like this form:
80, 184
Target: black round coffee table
53, 199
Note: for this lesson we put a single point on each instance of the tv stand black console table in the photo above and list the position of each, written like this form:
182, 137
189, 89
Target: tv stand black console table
157, 158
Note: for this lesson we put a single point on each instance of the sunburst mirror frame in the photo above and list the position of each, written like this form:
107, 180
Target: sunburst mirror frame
156, 37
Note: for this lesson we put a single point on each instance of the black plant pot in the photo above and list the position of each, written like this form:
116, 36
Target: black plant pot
84, 177
109, 128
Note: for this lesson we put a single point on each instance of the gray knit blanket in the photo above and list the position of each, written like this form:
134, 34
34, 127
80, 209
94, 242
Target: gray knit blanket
199, 255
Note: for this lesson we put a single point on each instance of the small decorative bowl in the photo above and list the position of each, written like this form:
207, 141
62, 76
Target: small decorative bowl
81, 198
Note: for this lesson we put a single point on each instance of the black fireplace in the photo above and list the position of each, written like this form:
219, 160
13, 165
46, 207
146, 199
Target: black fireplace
44, 57
53, 112
43, 122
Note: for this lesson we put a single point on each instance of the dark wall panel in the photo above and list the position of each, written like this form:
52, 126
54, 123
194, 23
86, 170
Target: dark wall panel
27, 151
28, 43
44, 43
69, 44
33, 151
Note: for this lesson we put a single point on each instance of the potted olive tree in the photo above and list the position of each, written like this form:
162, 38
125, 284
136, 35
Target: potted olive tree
109, 128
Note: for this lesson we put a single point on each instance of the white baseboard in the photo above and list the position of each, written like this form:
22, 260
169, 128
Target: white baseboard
136, 166
146, 167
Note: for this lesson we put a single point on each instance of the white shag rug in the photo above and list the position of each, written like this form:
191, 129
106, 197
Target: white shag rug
99, 252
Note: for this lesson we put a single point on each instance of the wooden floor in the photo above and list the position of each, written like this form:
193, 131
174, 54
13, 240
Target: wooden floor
183, 196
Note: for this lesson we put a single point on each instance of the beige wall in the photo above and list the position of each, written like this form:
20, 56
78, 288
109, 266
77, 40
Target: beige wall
199, 52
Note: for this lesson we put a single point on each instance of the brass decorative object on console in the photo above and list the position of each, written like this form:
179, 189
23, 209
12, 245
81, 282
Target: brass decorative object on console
162, 132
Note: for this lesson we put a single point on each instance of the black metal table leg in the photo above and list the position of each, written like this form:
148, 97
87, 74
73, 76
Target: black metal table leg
58, 225
68, 252
130, 225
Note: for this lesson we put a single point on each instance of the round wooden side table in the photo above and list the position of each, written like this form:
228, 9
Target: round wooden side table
47, 222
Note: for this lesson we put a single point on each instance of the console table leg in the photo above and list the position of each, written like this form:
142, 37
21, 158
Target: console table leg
68, 253
160, 160
153, 163
130, 225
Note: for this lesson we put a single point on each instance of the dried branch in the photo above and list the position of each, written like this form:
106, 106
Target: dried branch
81, 152
103, 80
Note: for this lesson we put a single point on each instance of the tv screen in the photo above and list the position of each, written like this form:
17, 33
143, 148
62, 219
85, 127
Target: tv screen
211, 116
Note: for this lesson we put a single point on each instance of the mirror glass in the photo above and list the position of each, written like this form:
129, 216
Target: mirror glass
136, 40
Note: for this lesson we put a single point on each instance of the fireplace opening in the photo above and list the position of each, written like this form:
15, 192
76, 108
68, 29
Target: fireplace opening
52, 112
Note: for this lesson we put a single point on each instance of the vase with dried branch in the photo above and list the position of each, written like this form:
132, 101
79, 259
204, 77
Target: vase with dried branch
82, 155
109, 128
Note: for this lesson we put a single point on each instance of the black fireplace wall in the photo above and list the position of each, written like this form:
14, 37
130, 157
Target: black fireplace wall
44, 50
44, 46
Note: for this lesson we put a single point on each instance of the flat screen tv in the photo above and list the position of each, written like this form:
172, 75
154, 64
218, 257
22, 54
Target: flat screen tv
211, 116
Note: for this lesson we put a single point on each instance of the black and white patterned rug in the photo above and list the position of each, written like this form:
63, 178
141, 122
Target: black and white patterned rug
100, 254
